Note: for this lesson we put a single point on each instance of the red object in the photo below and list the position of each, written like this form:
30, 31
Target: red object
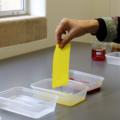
71, 78
94, 91
98, 54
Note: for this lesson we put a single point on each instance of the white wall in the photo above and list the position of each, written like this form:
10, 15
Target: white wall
115, 7
37, 7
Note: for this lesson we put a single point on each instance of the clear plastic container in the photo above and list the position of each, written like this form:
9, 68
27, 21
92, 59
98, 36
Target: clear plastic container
27, 102
93, 82
113, 58
69, 95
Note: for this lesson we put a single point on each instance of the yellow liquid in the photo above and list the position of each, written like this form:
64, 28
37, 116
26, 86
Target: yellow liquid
70, 102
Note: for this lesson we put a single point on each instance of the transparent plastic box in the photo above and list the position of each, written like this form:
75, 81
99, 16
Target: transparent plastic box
69, 95
113, 58
92, 81
27, 102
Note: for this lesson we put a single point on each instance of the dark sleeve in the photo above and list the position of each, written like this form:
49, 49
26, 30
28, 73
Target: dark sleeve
117, 40
102, 31
109, 29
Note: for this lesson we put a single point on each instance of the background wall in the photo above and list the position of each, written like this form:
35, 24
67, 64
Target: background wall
115, 7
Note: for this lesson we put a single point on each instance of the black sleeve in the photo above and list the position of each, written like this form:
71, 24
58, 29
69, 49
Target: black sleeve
117, 40
102, 31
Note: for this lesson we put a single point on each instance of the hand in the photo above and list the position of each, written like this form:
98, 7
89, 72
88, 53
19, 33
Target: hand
74, 28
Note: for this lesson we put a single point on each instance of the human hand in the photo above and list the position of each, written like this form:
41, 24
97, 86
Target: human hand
74, 28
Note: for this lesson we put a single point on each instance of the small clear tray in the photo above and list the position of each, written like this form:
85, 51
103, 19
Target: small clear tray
92, 81
27, 102
113, 58
69, 95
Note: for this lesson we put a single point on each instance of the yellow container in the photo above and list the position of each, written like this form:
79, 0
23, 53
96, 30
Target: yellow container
72, 94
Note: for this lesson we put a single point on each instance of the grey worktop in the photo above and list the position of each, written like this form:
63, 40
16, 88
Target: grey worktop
26, 69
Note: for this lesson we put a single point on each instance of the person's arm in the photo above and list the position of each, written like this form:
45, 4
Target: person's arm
74, 28
106, 29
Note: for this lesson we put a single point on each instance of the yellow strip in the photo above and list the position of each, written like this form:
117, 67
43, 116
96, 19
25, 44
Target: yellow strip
61, 59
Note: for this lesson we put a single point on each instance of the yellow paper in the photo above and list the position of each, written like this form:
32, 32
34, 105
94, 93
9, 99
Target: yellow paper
61, 59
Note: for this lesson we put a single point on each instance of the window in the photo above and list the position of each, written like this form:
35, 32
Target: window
12, 7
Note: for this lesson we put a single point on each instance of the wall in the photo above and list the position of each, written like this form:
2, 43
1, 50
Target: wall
115, 7
35, 6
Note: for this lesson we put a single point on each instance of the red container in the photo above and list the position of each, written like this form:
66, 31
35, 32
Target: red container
98, 54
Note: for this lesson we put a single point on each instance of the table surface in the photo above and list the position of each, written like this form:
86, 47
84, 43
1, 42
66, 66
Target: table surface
26, 69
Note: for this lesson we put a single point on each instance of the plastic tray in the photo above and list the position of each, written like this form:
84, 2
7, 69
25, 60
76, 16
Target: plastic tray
92, 81
27, 102
113, 58
69, 95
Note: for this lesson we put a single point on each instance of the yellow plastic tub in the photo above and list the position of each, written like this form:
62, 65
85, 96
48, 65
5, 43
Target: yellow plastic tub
69, 95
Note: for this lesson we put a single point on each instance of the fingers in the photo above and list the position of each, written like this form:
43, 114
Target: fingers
63, 43
60, 30
66, 39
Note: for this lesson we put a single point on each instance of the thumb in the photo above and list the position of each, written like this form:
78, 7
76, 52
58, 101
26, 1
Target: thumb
65, 41
67, 38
